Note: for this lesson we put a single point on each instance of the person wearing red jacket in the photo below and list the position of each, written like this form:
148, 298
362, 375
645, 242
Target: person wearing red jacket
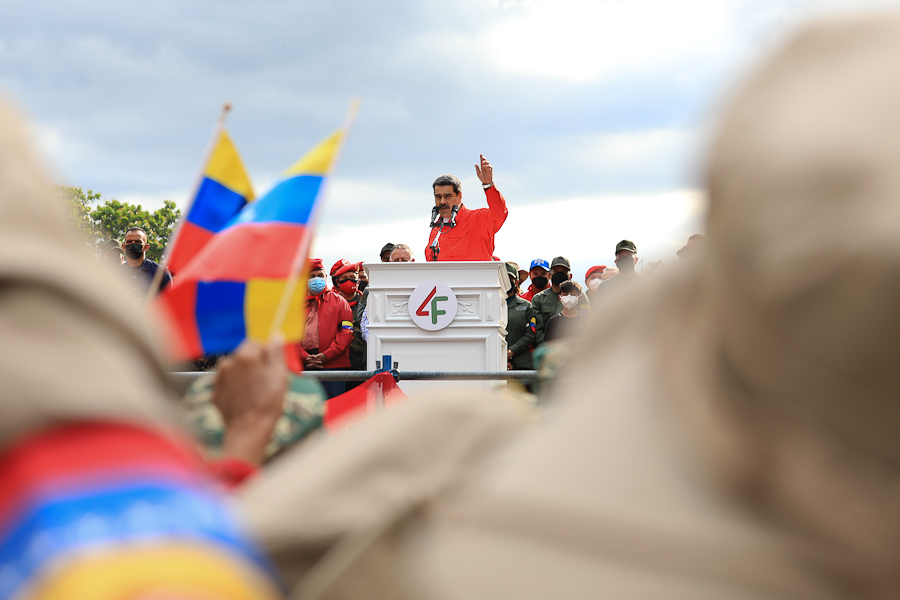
345, 276
472, 235
328, 331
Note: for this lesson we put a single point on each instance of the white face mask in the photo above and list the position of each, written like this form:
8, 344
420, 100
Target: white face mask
569, 301
594, 284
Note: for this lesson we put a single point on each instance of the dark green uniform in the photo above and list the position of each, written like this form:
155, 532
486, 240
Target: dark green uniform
520, 328
546, 304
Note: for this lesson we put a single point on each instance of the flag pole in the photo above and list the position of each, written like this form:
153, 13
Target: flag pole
299, 264
207, 154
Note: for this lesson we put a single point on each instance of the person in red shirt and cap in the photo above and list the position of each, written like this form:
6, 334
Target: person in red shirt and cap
540, 279
345, 278
458, 233
328, 332
592, 280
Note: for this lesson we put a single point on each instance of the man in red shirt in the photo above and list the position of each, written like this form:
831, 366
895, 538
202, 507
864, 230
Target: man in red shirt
469, 235
328, 332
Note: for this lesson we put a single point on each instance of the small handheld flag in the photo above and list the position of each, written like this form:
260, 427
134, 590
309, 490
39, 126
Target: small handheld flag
242, 283
224, 190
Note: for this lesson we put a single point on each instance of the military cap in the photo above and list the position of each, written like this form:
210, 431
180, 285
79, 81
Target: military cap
343, 266
512, 268
626, 245
560, 261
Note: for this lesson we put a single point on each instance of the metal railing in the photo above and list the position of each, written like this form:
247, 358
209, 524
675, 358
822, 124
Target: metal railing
184, 379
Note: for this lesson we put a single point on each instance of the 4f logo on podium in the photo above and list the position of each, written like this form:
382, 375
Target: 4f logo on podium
432, 306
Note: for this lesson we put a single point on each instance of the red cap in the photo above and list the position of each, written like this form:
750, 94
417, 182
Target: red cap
342, 266
599, 268
315, 263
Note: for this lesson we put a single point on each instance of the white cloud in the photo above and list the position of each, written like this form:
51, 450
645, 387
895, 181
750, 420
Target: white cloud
632, 150
579, 40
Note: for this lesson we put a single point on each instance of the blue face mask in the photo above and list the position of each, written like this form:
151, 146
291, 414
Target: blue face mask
316, 285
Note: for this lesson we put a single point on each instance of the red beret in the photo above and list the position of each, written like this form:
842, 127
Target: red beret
315, 263
599, 268
342, 266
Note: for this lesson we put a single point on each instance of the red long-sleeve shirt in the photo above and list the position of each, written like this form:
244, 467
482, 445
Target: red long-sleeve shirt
473, 236
335, 333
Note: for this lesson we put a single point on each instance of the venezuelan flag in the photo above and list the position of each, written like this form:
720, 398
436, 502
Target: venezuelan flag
232, 289
110, 511
224, 190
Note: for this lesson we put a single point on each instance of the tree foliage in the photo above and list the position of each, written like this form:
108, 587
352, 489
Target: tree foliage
110, 219
80, 210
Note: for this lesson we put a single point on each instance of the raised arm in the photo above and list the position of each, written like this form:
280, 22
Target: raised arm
496, 201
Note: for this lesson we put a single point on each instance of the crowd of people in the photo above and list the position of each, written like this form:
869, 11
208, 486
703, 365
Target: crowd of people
546, 311
336, 331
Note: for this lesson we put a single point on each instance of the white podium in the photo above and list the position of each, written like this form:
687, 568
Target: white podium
411, 318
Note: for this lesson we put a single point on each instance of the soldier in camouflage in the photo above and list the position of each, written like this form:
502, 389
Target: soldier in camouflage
520, 324
304, 407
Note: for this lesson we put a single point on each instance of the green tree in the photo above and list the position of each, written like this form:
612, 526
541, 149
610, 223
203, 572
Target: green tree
114, 218
80, 203
110, 220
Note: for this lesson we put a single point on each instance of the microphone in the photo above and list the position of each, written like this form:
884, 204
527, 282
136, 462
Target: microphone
453, 215
435, 217
435, 247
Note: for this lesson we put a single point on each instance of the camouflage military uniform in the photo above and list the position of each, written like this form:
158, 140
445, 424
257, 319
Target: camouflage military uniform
303, 411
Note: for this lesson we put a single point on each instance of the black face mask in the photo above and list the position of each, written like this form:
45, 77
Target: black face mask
513, 287
559, 277
626, 265
539, 282
134, 251
362, 285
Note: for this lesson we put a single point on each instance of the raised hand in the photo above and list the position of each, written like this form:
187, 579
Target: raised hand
485, 171
249, 392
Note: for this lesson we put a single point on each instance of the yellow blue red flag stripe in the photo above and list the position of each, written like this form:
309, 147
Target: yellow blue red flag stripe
224, 190
232, 289
77, 496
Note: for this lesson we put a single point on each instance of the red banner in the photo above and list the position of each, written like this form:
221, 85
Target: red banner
361, 401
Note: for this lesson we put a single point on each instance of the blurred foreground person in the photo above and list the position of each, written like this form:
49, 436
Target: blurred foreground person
101, 494
695, 246
743, 443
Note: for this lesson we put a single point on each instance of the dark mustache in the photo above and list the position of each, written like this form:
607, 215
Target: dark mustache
443, 206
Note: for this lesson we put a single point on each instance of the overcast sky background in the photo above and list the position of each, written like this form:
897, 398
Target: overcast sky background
594, 113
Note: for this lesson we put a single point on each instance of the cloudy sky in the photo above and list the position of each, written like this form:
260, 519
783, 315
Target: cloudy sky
594, 113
